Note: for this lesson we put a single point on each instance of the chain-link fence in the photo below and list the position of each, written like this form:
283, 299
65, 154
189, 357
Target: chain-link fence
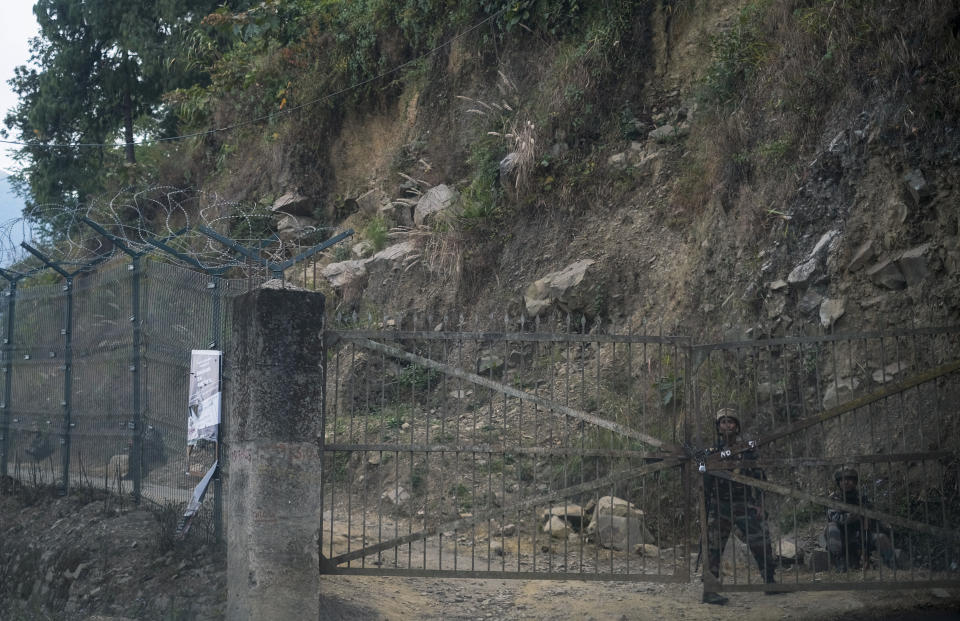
96, 377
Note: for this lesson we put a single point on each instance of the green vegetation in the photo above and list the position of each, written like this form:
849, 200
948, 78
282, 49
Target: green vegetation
737, 53
376, 233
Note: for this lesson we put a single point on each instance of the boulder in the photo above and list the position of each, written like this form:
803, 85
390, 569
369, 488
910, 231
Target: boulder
917, 186
362, 250
557, 527
890, 372
664, 133
345, 273
913, 264
831, 310
293, 203
396, 252
372, 201
437, 201
508, 164
619, 533
801, 274
564, 289
396, 495
823, 244
776, 304
570, 512
887, 274
786, 550
810, 302
616, 523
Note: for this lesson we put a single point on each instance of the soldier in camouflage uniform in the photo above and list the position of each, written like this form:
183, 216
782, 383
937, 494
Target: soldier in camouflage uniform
850, 537
732, 505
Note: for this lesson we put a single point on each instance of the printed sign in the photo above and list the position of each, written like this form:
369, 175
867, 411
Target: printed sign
204, 403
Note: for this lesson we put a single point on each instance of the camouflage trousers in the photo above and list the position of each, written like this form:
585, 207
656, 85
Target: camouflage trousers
751, 528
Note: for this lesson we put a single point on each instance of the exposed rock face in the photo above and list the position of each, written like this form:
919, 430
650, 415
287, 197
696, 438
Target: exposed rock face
345, 273
887, 274
293, 203
564, 289
437, 200
353, 273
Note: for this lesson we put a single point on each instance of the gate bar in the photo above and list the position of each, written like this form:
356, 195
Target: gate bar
836, 504
503, 388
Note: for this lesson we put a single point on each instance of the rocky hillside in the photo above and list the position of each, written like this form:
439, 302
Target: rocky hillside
734, 169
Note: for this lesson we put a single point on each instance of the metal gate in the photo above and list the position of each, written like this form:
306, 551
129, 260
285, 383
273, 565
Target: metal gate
882, 406
574, 453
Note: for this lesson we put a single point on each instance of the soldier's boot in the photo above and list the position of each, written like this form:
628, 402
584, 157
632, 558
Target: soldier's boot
771, 581
709, 597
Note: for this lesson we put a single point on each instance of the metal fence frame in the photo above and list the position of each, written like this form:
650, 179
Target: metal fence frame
137, 324
788, 410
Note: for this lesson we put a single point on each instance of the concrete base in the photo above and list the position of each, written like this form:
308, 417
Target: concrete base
274, 518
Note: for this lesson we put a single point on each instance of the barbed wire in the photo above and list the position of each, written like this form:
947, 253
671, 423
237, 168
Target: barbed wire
176, 224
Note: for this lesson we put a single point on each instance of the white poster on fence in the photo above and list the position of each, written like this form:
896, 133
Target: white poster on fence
204, 404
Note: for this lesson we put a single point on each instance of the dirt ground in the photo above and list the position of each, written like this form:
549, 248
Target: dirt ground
362, 597
94, 557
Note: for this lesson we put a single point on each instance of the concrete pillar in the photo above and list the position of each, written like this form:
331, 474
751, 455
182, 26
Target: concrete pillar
273, 468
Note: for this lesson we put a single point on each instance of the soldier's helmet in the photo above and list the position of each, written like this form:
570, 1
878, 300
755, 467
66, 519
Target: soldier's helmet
845, 473
727, 413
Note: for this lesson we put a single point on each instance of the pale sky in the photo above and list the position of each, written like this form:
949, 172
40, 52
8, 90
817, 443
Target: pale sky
17, 25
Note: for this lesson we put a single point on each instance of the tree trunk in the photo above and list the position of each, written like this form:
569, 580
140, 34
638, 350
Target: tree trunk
128, 126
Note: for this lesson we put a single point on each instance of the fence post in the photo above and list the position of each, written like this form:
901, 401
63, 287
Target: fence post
215, 343
274, 467
67, 380
136, 457
11, 294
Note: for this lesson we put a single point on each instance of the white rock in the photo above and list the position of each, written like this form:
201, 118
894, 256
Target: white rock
435, 201
345, 272
823, 243
395, 252
801, 274
396, 495
831, 310
557, 527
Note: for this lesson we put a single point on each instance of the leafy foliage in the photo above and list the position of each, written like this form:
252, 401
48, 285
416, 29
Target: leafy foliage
102, 69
